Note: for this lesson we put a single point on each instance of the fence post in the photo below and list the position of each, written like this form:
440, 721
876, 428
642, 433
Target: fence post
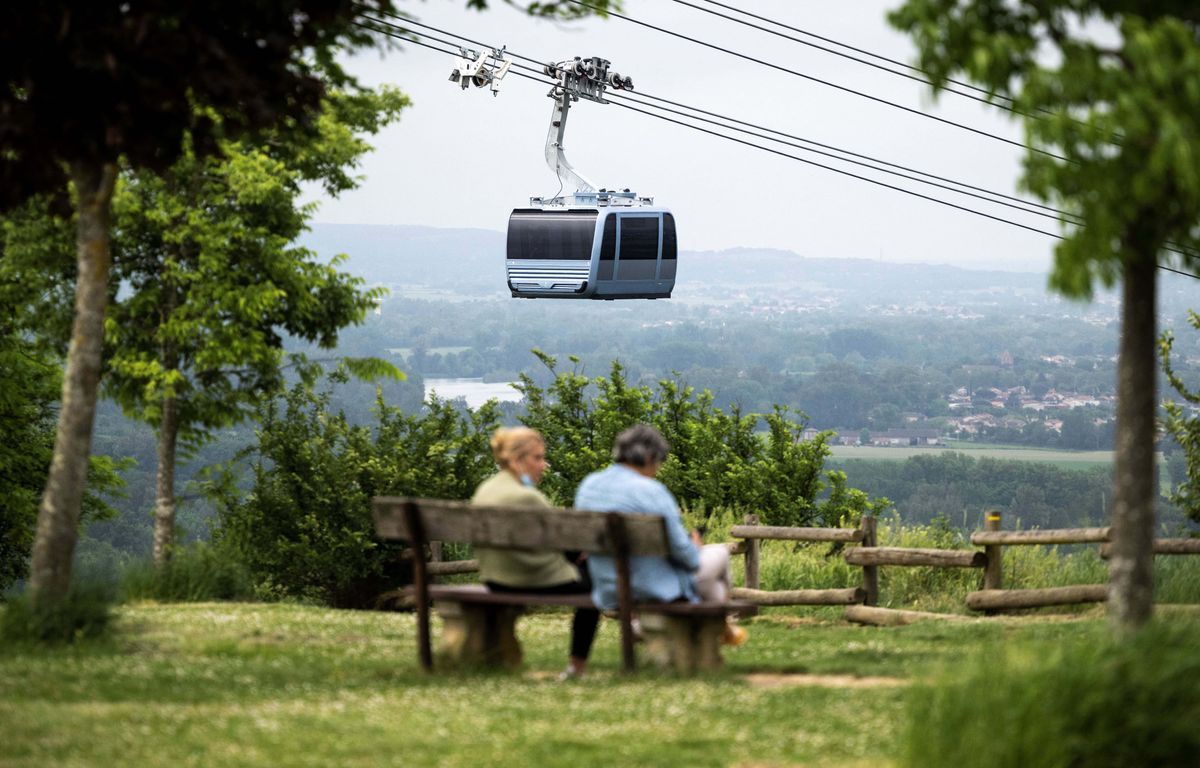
752, 554
993, 575
870, 572
435, 556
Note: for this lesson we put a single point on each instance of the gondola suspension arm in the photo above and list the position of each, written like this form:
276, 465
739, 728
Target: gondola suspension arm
577, 78
556, 156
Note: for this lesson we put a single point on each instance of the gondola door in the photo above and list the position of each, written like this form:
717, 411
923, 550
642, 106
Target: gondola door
636, 266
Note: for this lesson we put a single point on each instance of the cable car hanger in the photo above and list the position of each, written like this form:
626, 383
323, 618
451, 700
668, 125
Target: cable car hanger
589, 243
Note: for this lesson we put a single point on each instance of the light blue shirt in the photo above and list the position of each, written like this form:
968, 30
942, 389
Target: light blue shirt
653, 579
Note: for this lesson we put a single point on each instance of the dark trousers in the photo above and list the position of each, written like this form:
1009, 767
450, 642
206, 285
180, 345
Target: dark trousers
585, 622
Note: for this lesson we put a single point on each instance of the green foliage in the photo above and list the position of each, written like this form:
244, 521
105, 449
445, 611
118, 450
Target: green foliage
30, 380
127, 81
199, 572
1184, 426
206, 248
304, 530
26, 444
718, 461
83, 614
1087, 702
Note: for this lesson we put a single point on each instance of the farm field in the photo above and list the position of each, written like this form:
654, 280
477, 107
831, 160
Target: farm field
280, 684
1061, 458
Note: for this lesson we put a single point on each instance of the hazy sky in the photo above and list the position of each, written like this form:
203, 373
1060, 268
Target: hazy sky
465, 158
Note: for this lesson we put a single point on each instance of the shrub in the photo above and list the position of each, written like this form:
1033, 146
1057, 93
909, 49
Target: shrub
196, 573
84, 614
1090, 702
305, 530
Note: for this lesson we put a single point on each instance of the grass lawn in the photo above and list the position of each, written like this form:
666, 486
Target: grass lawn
283, 685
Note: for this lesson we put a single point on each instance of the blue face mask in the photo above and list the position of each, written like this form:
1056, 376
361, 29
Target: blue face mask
526, 480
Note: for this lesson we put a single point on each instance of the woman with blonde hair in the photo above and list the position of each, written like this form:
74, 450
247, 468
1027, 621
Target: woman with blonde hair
520, 454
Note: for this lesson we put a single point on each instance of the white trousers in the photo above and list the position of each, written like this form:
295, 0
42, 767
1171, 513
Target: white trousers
713, 579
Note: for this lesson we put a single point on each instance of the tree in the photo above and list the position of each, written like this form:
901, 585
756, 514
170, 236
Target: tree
1112, 131
1078, 431
32, 273
1184, 427
86, 85
205, 251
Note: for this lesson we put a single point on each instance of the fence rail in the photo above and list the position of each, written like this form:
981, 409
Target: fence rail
1049, 536
781, 533
800, 596
1000, 599
1163, 547
912, 556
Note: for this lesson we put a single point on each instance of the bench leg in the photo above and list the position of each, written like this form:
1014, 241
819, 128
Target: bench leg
479, 635
684, 644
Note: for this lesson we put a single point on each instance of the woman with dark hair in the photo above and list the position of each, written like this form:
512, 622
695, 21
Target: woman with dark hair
520, 454
691, 571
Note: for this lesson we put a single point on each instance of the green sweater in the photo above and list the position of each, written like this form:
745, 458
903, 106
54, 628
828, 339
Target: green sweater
518, 567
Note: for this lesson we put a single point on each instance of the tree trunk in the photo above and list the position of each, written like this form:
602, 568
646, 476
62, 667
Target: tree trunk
164, 500
62, 502
168, 432
1131, 569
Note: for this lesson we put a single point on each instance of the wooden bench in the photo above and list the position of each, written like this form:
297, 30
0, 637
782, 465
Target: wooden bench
479, 625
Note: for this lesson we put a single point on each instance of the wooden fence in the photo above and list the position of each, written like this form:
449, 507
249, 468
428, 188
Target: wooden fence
992, 598
862, 550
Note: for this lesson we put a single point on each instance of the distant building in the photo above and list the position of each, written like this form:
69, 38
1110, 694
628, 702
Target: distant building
902, 437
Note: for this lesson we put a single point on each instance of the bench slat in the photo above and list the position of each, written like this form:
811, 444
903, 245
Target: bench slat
517, 527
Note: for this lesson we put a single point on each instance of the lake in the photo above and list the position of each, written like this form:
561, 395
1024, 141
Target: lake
475, 391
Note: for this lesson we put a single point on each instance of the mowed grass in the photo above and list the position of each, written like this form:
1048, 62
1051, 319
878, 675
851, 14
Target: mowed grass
283, 685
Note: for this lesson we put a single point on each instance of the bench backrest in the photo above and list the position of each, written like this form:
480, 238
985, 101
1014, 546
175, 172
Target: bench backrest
515, 527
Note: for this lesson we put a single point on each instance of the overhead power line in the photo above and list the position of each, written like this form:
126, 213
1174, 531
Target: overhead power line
896, 62
538, 77
789, 139
930, 198
874, 164
982, 95
828, 83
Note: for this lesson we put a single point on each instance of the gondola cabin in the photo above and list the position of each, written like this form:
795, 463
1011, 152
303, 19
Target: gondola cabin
601, 251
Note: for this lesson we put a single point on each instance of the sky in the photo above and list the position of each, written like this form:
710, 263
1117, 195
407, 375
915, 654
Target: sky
467, 158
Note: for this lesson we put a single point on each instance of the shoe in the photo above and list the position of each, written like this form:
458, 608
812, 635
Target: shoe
735, 635
569, 674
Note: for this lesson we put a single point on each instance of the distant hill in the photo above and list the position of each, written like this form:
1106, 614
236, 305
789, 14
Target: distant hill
463, 260
470, 262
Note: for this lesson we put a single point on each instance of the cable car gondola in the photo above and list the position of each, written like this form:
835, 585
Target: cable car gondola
611, 249
590, 244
